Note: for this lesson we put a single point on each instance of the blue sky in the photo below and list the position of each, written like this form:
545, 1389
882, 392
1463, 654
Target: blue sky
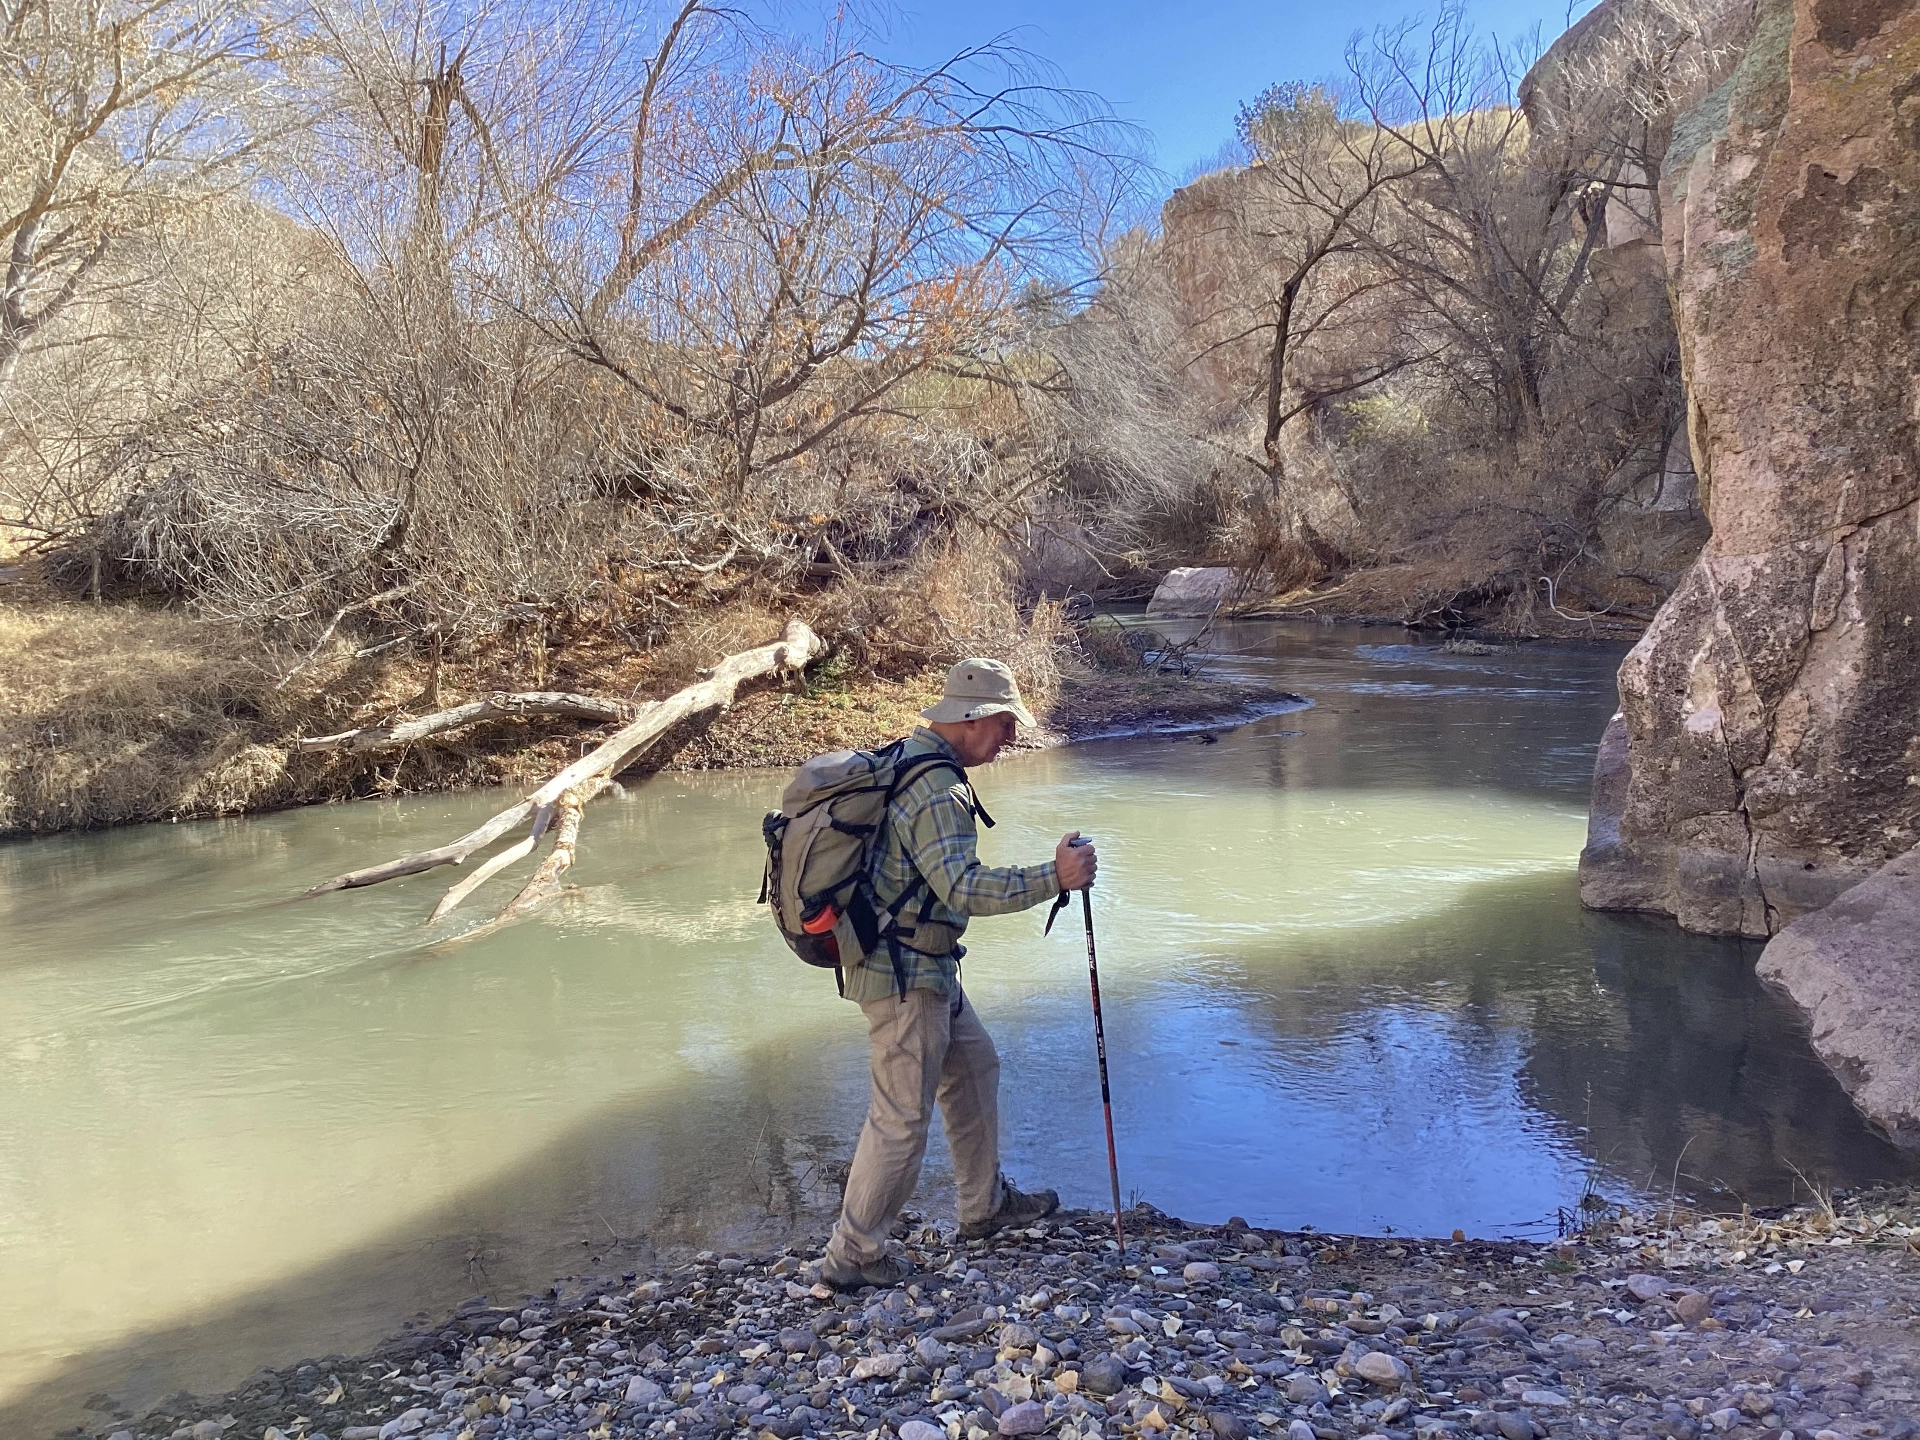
1180, 71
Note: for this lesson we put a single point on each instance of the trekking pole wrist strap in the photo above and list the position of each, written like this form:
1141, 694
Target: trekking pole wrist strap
1060, 903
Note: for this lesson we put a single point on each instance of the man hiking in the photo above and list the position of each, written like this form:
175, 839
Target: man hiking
927, 1043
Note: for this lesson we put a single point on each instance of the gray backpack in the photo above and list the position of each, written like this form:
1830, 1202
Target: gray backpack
819, 849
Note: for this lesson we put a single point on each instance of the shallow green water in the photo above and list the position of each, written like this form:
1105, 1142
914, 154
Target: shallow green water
1348, 984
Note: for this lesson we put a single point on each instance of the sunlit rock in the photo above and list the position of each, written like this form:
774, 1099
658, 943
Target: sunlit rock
1771, 713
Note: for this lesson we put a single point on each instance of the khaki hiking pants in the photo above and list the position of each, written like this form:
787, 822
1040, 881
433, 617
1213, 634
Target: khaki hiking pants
925, 1049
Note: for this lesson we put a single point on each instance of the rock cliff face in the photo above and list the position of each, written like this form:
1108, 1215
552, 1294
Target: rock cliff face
1767, 751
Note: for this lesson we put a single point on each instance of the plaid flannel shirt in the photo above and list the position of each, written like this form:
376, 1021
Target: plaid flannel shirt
930, 831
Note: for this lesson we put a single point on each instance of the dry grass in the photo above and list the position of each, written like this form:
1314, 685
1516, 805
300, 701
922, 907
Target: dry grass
117, 714
109, 715
112, 715
835, 712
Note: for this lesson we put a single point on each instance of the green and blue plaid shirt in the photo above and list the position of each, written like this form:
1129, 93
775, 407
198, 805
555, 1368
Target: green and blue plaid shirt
930, 831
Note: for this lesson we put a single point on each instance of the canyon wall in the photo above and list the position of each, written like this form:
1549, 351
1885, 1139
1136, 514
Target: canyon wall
1766, 755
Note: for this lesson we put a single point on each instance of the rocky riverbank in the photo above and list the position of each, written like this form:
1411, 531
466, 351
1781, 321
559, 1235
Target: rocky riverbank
1794, 1326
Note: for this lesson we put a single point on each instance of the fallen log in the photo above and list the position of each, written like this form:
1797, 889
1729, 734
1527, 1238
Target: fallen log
511, 856
452, 853
559, 804
497, 706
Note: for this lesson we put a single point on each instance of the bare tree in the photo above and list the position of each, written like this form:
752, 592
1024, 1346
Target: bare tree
1319, 178
1477, 242
1495, 239
1140, 484
1260, 302
114, 115
626, 315
812, 244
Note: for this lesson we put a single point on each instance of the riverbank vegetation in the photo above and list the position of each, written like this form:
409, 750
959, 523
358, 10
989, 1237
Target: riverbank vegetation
362, 358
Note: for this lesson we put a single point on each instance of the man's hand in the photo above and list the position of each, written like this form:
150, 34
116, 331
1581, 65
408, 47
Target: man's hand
1075, 861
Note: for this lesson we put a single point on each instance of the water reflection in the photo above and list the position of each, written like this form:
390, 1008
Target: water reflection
1349, 985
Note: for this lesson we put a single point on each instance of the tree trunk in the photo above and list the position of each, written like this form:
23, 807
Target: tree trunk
564, 798
497, 706
1277, 370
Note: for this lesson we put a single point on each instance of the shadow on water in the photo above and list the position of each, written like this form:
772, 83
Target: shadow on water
599, 1199
1469, 1067
1697, 1078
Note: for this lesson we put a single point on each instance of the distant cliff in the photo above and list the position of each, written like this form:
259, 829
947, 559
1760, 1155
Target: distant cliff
1767, 751
1485, 430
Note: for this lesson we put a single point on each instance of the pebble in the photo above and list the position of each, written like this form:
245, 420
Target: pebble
1646, 1287
1383, 1370
1305, 1389
1029, 1417
1105, 1376
1042, 1331
642, 1391
1780, 1356
1692, 1307
884, 1367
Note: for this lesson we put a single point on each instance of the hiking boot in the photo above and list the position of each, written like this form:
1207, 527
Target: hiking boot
1016, 1208
883, 1273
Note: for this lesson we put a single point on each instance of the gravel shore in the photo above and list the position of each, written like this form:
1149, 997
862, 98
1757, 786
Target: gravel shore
1796, 1325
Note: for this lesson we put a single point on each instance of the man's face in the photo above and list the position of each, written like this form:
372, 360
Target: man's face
983, 739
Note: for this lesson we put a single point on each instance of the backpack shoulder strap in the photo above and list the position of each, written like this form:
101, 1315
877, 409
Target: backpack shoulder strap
914, 766
918, 765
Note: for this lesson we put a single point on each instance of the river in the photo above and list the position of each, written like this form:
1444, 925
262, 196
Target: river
1347, 978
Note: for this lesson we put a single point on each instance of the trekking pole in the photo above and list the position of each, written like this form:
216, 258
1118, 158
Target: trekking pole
1100, 1048
1099, 1040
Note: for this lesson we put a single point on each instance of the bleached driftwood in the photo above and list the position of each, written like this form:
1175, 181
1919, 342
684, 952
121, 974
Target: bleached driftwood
559, 804
499, 705
513, 855
452, 853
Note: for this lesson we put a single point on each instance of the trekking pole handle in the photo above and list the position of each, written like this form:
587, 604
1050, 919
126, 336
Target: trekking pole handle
1060, 901
1075, 844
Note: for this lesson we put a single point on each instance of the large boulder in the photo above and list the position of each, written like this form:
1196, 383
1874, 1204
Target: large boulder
1771, 713
1196, 590
1855, 968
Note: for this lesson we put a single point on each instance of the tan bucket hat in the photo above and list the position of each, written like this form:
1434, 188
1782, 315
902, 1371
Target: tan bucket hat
978, 688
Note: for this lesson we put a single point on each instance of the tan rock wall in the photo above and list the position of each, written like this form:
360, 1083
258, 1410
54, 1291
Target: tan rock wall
1771, 714
1212, 264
